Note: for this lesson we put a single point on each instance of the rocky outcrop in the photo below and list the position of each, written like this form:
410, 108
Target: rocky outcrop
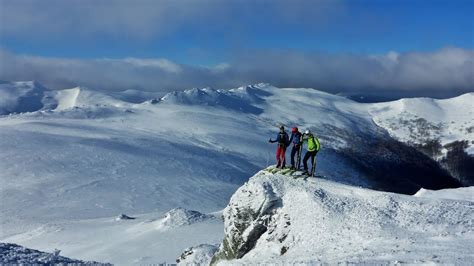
246, 219
275, 218
198, 255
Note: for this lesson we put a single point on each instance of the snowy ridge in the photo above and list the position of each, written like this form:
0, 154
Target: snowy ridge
240, 99
135, 96
419, 120
30, 96
276, 219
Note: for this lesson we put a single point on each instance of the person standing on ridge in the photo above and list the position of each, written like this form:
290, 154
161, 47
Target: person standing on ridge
283, 141
313, 148
295, 140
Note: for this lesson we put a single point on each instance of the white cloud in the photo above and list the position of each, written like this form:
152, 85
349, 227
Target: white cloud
447, 71
163, 64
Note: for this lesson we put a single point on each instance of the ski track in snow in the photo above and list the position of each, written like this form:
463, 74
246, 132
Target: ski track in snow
73, 160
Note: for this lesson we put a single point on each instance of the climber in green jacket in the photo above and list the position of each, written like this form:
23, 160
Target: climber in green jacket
312, 149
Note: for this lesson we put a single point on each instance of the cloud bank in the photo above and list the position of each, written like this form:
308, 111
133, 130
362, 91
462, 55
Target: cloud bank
447, 71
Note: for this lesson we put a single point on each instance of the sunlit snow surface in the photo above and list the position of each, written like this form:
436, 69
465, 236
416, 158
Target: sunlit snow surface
73, 160
321, 221
463, 193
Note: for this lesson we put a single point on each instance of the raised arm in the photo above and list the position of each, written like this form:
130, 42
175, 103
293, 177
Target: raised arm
273, 141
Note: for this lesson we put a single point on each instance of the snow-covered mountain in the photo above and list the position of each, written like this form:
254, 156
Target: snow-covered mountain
442, 129
72, 160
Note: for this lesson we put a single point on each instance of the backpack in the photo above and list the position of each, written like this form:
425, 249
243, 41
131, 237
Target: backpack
313, 144
297, 138
282, 139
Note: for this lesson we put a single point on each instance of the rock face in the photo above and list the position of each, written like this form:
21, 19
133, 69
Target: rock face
275, 218
246, 219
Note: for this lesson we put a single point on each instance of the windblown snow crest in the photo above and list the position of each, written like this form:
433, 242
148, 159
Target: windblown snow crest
277, 219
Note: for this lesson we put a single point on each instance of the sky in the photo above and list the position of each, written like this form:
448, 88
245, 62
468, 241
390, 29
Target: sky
401, 47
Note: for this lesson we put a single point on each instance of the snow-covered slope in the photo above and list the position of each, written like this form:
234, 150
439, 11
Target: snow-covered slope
277, 219
419, 120
442, 129
30, 96
75, 158
147, 239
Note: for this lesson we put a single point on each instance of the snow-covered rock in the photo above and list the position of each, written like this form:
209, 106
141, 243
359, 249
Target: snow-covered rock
181, 217
123, 217
277, 219
11, 254
198, 255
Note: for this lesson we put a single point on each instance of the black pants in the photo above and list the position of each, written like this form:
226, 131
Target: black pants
294, 151
309, 154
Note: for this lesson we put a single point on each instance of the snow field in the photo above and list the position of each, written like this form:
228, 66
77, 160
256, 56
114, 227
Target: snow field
73, 160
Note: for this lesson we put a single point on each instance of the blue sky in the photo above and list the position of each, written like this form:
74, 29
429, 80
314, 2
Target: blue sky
194, 33
371, 27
